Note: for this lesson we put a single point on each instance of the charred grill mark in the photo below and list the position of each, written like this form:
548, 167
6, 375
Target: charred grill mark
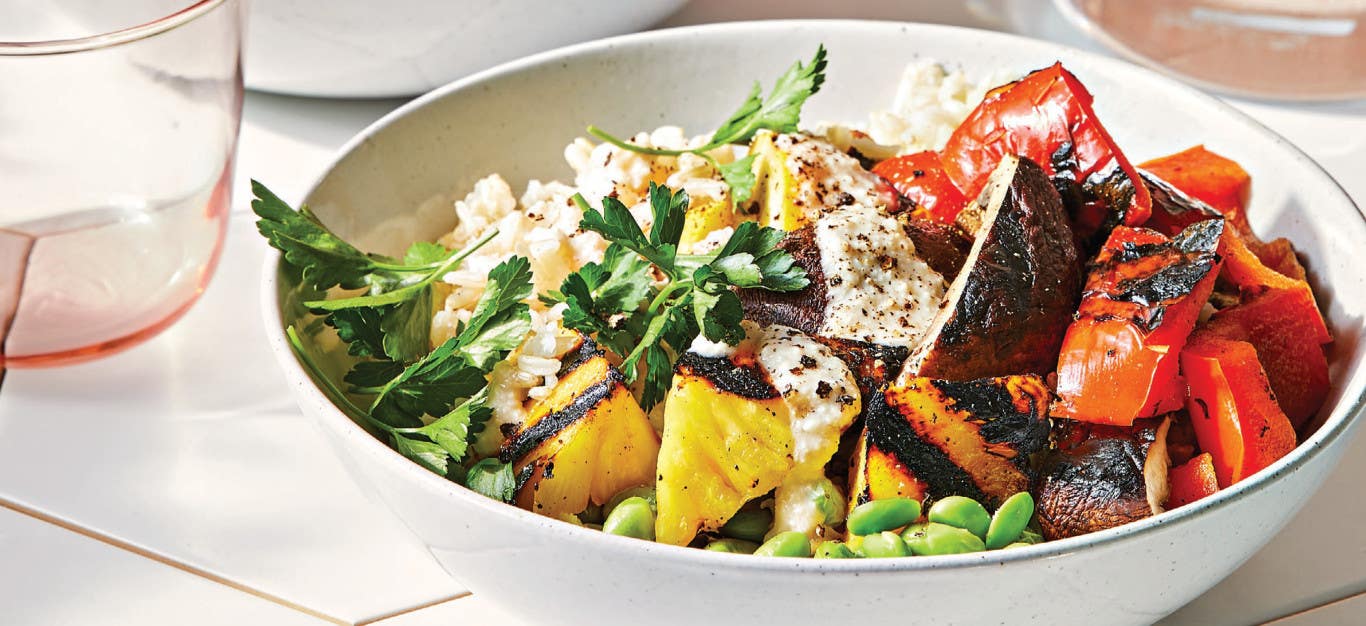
746, 381
1172, 209
1114, 188
996, 405
803, 309
872, 364
587, 349
1168, 284
889, 431
552, 424
1152, 276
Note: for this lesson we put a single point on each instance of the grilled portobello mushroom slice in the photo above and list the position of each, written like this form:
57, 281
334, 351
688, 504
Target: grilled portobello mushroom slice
1102, 476
1006, 311
937, 438
944, 247
585, 441
803, 309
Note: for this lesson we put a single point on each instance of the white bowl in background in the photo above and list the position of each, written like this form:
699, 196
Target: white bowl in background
368, 49
515, 119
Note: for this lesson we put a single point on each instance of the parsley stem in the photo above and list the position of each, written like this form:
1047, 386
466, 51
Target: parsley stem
607, 137
408, 291
666, 293
335, 394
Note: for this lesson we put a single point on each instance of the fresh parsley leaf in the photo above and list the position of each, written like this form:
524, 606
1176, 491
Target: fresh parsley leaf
360, 329
425, 453
752, 247
492, 478
778, 112
500, 320
373, 374
739, 176
669, 210
326, 260
616, 224
645, 321
425, 253
406, 327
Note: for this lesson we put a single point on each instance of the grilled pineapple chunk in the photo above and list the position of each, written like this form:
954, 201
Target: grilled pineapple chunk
800, 177
705, 215
727, 440
938, 438
585, 441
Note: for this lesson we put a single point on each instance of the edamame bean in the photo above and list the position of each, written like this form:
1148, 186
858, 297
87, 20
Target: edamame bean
879, 515
631, 518
1010, 520
830, 502
749, 524
944, 539
962, 512
1017, 545
834, 550
914, 536
571, 518
787, 543
1029, 536
648, 493
885, 544
734, 546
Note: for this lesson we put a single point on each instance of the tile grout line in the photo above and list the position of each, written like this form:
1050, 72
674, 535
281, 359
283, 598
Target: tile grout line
148, 554
1352, 596
428, 605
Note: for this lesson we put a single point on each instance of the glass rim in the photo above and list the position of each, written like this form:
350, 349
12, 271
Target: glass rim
111, 38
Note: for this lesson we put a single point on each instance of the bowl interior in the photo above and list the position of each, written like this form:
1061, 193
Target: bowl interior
393, 184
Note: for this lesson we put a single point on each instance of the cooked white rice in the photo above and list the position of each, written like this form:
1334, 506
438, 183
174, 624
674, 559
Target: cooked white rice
542, 224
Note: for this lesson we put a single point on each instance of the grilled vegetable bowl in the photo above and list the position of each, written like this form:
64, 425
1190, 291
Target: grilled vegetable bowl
1038, 349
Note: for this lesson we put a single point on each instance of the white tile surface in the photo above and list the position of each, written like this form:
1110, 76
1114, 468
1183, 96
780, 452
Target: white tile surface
467, 611
54, 577
191, 447
1346, 612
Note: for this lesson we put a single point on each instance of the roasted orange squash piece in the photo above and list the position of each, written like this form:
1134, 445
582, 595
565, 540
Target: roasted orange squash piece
584, 442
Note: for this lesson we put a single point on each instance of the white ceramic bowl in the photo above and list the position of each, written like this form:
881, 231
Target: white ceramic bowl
515, 119
369, 49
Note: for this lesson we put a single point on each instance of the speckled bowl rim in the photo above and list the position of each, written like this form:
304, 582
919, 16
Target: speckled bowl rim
1335, 427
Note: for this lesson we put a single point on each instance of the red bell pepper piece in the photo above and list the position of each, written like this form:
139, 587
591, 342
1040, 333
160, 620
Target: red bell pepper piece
1213, 179
1244, 271
1142, 298
920, 177
1232, 408
1191, 481
1047, 117
1283, 325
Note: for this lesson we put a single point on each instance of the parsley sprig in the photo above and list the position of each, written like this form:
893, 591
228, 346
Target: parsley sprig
642, 318
429, 405
778, 112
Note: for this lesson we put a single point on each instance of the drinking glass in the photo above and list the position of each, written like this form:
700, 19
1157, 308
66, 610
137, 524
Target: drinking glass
1284, 49
118, 125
